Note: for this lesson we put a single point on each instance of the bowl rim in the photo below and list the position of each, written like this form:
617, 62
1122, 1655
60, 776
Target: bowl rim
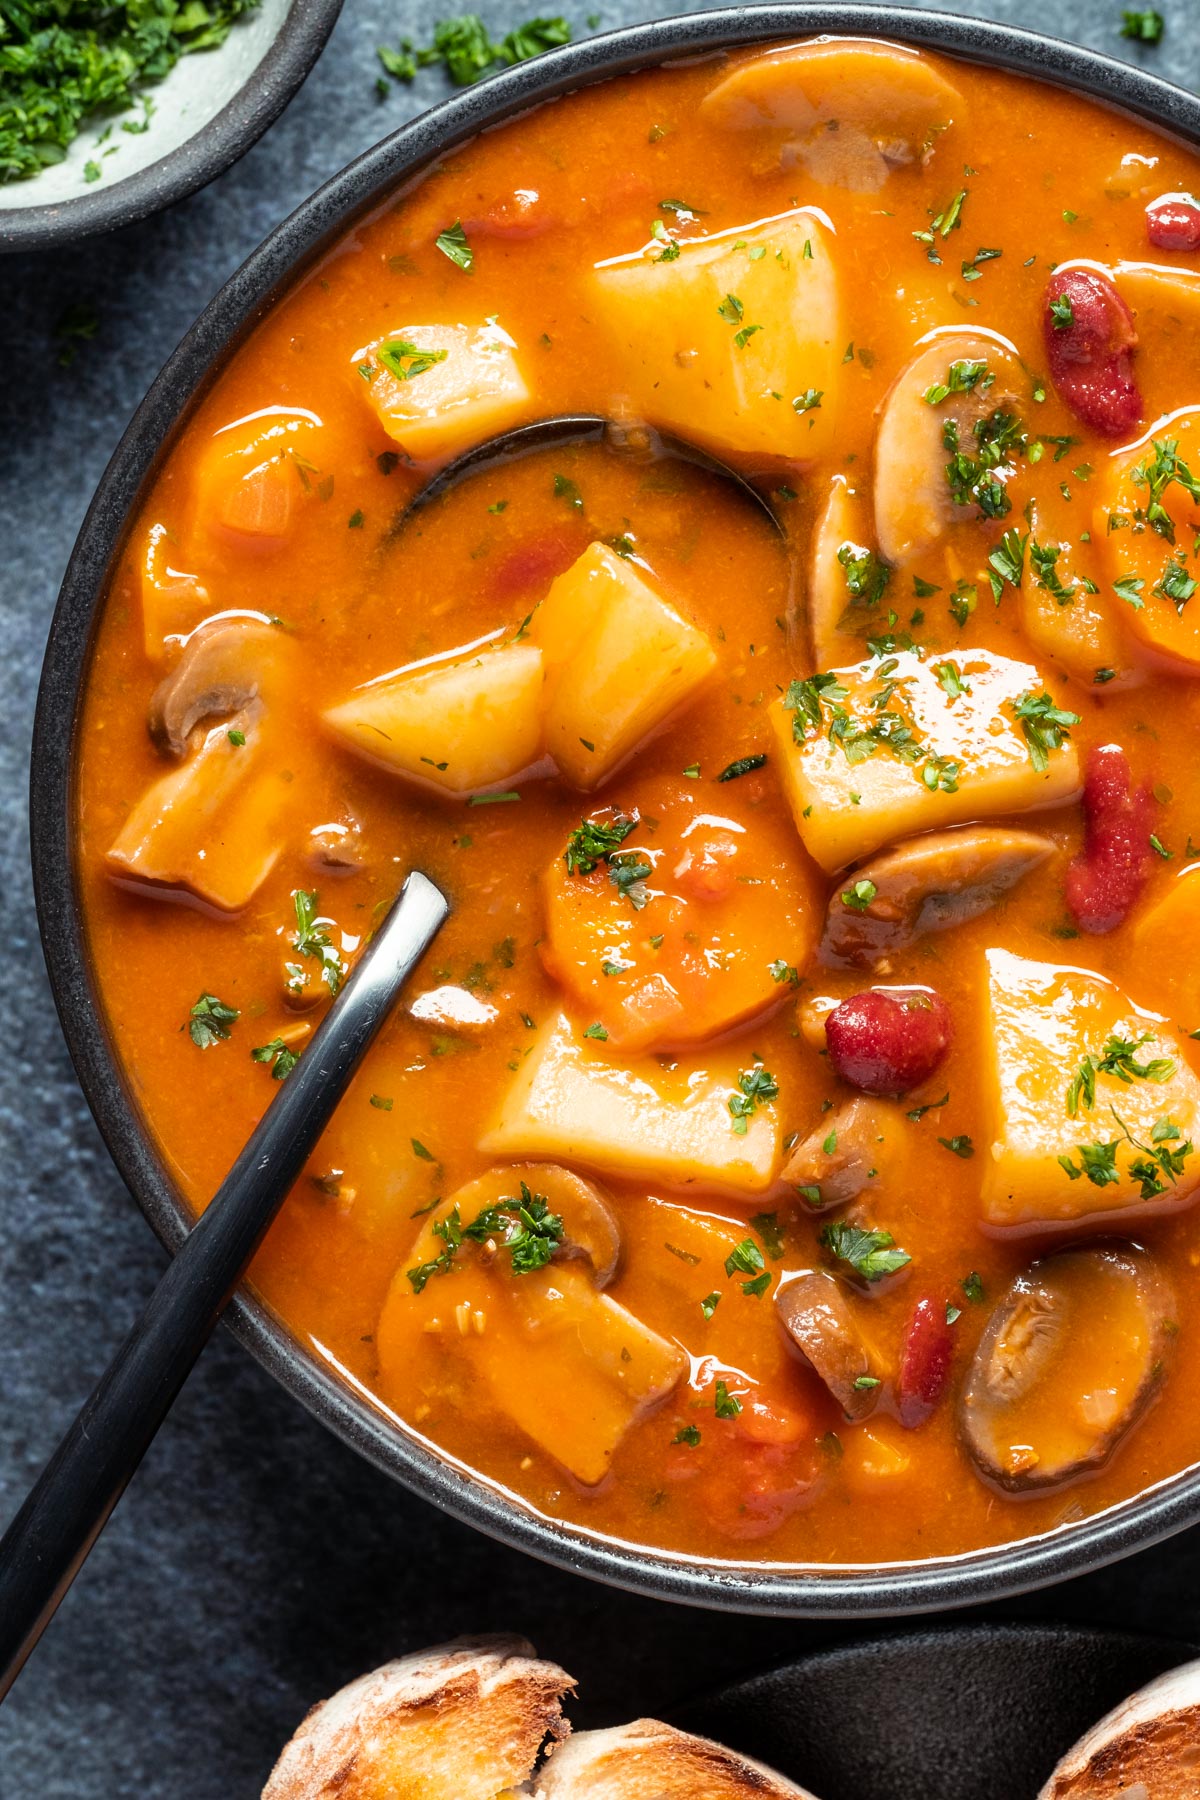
821, 1591
274, 80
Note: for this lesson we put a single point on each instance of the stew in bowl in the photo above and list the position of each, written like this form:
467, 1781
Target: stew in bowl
790, 1148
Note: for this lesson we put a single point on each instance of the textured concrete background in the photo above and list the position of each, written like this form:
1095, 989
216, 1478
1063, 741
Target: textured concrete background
255, 1563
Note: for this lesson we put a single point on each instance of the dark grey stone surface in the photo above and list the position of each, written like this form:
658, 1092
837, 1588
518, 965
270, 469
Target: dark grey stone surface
255, 1563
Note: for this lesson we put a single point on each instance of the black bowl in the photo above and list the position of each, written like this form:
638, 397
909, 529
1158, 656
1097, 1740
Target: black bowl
821, 1592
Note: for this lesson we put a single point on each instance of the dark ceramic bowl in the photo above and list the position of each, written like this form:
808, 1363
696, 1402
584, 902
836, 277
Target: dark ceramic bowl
826, 1591
212, 106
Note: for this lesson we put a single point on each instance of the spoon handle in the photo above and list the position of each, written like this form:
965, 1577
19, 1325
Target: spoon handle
70, 1503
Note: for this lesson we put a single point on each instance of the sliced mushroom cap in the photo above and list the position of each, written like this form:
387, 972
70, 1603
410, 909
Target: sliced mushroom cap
222, 670
849, 111
590, 1232
846, 1150
913, 503
815, 1313
1070, 1360
927, 884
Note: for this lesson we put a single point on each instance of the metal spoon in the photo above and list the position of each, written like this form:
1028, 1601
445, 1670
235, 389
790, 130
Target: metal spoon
70, 1503
638, 442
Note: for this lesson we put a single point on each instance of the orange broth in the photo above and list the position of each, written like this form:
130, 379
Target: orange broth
1049, 178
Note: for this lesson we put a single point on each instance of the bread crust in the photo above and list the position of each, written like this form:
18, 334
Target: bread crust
1148, 1745
462, 1721
647, 1760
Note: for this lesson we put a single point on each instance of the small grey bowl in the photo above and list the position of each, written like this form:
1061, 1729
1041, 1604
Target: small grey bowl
207, 112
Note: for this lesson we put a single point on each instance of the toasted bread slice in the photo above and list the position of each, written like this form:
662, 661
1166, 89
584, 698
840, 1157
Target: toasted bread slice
647, 1760
1149, 1746
463, 1721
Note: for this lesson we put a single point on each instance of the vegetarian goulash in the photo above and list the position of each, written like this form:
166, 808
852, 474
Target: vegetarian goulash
787, 1147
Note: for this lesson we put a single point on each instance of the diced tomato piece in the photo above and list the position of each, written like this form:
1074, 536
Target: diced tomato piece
1105, 879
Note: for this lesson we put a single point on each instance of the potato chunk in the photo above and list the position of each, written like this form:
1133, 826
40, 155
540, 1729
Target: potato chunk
438, 389
1147, 520
619, 661
575, 1101
849, 112
905, 746
737, 342
1092, 1107
723, 906
464, 725
211, 826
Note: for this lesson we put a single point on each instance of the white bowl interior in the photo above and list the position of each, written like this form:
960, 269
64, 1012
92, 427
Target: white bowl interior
195, 91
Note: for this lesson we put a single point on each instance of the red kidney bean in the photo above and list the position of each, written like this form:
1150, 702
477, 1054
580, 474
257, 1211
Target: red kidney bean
925, 1359
886, 1041
1173, 222
1107, 876
1090, 339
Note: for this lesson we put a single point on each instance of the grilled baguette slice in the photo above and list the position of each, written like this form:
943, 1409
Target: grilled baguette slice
1147, 1748
462, 1721
647, 1760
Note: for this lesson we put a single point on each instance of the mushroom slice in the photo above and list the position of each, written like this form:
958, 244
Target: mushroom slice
845, 1151
849, 110
1071, 1358
220, 673
486, 1300
1147, 1748
959, 380
816, 1315
589, 1230
930, 883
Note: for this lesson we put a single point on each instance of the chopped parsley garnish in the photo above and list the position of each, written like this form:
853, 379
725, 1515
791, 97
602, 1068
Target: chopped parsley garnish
961, 378
971, 475
771, 1232
1156, 477
627, 870
755, 1087
406, 361
972, 1287
1045, 725
669, 251
209, 1021
687, 1434
1164, 1156
917, 1113
463, 45
593, 842
959, 1145
1062, 313
453, 243
742, 765
566, 489
1175, 584
1118, 1058
282, 1060
731, 309
710, 1303
312, 939
866, 577
596, 1031
1144, 27
859, 895
524, 1224
1043, 560
871, 1254
943, 223
809, 400
781, 971
726, 1405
